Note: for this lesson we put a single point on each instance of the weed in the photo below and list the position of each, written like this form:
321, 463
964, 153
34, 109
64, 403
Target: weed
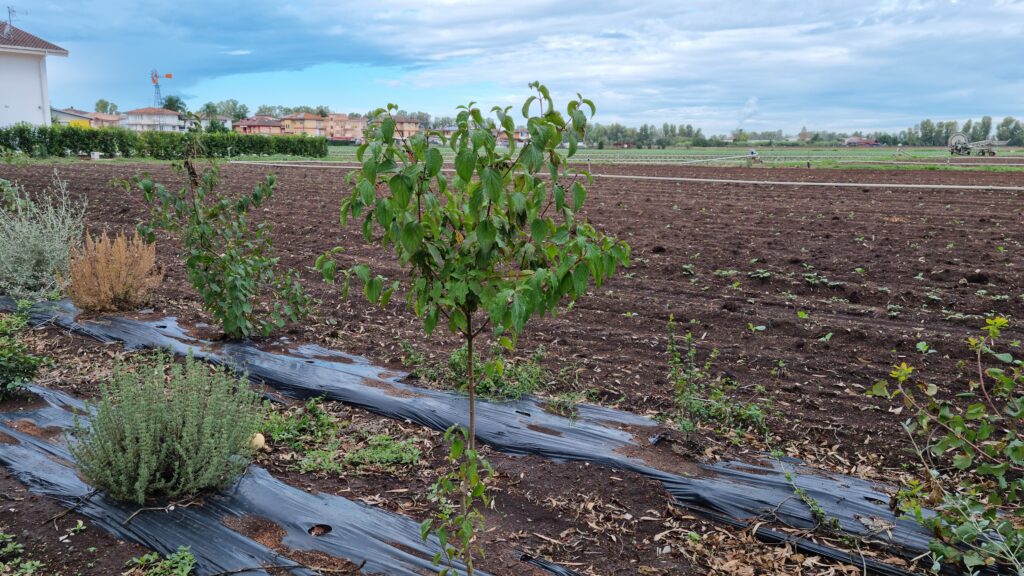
893, 310
181, 563
12, 561
501, 378
726, 273
703, 397
688, 270
760, 274
755, 329
302, 426
383, 452
779, 369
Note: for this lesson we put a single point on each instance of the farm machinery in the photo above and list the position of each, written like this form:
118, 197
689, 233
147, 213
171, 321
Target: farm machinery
960, 145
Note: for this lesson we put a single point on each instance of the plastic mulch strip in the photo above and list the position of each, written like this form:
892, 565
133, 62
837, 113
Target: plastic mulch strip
738, 494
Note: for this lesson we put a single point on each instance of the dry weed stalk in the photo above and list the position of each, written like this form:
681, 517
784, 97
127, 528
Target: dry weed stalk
109, 274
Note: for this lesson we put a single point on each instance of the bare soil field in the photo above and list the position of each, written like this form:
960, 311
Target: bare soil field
844, 281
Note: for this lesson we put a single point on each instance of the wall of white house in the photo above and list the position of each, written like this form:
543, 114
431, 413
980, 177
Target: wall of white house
25, 94
154, 122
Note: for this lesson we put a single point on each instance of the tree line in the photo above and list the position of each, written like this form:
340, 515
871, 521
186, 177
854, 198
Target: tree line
925, 133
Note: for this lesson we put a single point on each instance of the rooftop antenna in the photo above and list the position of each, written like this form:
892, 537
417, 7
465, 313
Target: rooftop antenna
8, 30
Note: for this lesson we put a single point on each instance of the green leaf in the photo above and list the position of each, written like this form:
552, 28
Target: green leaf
485, 235
579, 195
539, 229
491, 180
975, 411
526, 106
412, 237
387, 129
434, 162
465, 162
963, 461
400, 190
1003, 357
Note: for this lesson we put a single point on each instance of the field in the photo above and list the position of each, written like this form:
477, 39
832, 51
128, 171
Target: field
809, 293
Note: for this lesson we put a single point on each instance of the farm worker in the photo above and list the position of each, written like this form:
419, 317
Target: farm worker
753, 154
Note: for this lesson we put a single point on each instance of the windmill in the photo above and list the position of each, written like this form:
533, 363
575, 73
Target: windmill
154, 76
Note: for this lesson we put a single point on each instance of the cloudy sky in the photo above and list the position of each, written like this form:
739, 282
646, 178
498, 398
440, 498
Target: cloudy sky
717, 64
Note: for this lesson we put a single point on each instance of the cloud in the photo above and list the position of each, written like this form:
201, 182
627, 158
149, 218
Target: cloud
876, 64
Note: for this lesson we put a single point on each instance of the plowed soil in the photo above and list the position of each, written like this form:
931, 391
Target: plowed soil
912, 266
844, 281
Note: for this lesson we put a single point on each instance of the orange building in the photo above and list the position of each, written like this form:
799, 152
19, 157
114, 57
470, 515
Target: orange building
406, 127
342, 127
304, 123
266, 125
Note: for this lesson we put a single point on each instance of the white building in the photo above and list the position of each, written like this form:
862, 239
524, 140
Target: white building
25, 93
155, 119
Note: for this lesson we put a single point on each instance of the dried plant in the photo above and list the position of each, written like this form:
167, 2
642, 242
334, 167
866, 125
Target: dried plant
110, 274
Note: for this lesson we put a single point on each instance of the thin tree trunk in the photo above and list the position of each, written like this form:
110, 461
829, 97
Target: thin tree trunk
472, 382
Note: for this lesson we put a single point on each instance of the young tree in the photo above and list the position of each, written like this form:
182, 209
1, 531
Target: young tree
499, 241
105, 107
175, 103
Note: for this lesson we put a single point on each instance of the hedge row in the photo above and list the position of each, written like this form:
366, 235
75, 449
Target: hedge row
74, 141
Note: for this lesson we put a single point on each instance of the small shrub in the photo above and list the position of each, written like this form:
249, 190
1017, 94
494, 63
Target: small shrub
971, 448
230, 262
17, 366
37, 234
112, 273
170, 430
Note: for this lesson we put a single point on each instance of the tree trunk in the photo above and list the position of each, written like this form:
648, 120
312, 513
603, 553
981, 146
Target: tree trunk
471, 382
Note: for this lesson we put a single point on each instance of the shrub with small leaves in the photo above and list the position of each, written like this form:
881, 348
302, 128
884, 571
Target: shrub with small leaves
230, 262
167, 430
37, 234
971, 447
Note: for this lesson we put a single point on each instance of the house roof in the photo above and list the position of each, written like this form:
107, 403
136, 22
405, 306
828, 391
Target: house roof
105, 117
71, 112
259, 121
152, 112
15, 39
303, 116
78, 112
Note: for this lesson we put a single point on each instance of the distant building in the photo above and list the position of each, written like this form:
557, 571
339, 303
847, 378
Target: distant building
304, 123
153, 119
224, 120
71, 117
25, 95
406, 127
101, 120
266, 125
859, 141
345, 128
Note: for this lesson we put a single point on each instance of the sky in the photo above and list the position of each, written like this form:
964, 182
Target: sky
717, 64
